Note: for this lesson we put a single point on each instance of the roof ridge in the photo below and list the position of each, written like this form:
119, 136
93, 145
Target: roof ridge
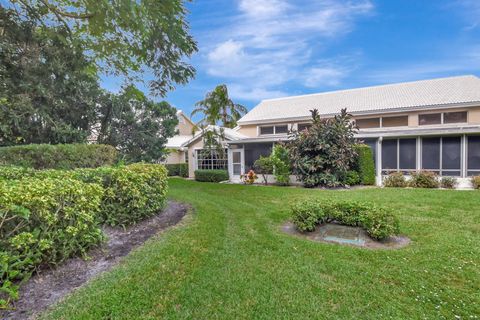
370, 87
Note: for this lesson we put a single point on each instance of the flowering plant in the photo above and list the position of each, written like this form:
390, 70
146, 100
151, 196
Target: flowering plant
249, 177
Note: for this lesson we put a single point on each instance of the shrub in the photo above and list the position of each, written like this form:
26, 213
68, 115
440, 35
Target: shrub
364, 164
323, 154
15, 173
423, 179
281, 164
352, 178
395, 180
132, 193
264, 167
211, 175
378, 222
249, 177
60, 156
448, 182
44, 221
177, 169
476, 182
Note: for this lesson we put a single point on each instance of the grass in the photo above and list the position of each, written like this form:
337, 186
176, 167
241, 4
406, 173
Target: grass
230, 261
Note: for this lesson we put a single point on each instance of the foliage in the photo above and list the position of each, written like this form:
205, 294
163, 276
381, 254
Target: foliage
423, 179
249, 177
352, 178
218, 107
44, 221
364, 164
211, 175
448, 182
123, 37
61, 156
395, 180
15, 172
48, 90
378, 222
323, 154
264, 167
135, 125
177, 169
280, 161
476, 182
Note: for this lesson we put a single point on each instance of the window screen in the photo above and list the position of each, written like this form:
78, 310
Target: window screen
455, 117
389, 155
431, 154
253, 151
451, 156
266, 130
211, 159
395, 121
431, 118
281, 129
408, 154
473, 160
368, 123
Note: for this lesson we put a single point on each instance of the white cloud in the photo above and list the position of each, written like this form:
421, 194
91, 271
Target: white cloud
271, 43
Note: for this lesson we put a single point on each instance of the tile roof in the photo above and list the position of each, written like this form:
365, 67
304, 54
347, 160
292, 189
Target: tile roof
426, 93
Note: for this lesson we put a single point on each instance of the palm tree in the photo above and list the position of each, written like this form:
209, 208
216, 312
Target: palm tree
218, 107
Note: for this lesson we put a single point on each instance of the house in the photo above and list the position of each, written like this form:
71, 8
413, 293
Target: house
423, 125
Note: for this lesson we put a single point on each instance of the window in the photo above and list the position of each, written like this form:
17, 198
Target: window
473, 158
253, 151
266, 130
303, 126
429, 118
211, 159
400, 121
399, 155
368, 123
280, 129
442, 155
455, 117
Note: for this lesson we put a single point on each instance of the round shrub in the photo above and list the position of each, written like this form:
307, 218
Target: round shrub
378, 222
448, 182
395, 180
423, 179
352, 178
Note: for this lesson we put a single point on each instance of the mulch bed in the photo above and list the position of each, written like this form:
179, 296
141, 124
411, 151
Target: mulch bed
49, 286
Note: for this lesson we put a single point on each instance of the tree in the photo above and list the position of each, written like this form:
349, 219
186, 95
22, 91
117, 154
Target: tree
218, 107
322, 154
135, 125
48, 87
122, 37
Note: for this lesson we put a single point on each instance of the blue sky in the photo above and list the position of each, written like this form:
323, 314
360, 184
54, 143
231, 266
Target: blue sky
273, 48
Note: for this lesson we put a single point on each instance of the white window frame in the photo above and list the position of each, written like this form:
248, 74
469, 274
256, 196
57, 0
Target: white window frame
197, 159
442, 118
289, 127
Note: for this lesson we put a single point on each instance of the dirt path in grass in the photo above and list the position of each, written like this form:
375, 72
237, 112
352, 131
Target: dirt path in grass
49, 286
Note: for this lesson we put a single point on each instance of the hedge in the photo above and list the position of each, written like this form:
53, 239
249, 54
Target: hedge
211, 175
377, 221
47, 216
60, 156
43, 222
365, 166
177, 169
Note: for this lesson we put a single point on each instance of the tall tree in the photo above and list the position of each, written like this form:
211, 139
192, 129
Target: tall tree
123, 37
48, 88
218, 107
137, 126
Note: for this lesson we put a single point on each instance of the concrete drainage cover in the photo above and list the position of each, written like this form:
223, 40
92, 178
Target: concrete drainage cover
346, 235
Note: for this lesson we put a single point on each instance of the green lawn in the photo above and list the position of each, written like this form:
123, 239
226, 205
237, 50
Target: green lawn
230, 261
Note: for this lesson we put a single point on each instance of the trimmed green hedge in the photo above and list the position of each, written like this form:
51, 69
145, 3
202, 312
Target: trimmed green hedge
60, 156
44, 221
47, 216
177, 169
378, 222
365, 166
211, 175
